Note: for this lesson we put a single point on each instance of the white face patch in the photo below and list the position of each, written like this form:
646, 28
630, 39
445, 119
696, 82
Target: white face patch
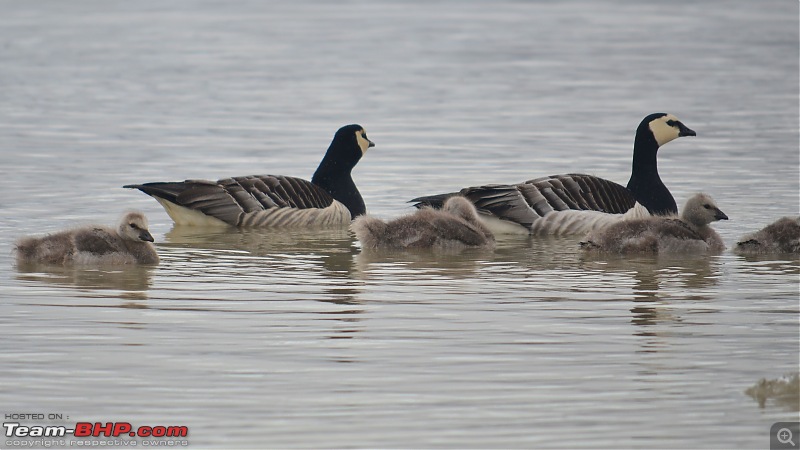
363, 142
662, 131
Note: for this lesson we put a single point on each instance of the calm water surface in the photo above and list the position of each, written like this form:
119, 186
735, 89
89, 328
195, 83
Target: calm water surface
255, 339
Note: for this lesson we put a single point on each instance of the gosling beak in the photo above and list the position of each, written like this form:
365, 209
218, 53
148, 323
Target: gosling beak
683, 130
719, 215
146, 236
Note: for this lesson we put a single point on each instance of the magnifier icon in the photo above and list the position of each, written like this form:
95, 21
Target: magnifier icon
785, 436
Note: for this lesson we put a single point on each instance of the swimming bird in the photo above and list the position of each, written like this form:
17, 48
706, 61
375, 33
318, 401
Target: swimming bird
329, 199
574, 204
689, 233
455, 225
781, 236
129, 243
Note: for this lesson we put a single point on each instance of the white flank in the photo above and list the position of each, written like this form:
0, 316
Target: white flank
334, 215
185, 216
577, 223
499, 226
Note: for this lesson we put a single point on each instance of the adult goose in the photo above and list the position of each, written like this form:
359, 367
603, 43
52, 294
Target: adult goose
329, 199
574, 204
454, 226
689, 233
781, 236
129, 243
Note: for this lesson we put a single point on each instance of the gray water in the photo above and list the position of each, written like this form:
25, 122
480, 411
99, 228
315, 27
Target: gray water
259, 339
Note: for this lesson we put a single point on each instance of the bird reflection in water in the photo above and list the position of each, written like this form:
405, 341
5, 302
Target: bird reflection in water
304, 264
131, 283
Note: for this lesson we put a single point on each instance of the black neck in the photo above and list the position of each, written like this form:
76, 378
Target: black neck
334, 177
645, 183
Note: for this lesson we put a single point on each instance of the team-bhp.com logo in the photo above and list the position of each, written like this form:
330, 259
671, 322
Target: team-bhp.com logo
52, 435
97, 429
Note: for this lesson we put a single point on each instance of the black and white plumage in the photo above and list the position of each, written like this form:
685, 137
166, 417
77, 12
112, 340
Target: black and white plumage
329, 199
454, 226
689, 233
129, 243
575, 204
781, 236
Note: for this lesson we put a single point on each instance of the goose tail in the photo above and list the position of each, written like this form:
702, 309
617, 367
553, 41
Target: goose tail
432, 201
168, 191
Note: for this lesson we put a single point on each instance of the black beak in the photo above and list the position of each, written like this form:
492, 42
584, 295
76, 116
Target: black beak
146, 236
719, 215
371, 144
685, 131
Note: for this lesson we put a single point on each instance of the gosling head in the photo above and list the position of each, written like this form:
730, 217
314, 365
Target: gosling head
461, 207
664, 128
700, 210
133, 226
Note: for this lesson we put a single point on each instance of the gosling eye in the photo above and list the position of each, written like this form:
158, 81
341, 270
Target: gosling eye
133, 225
707, 206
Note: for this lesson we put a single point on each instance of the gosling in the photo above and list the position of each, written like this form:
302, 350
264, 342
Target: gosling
130, 243
689, 233
455, 226
781, 236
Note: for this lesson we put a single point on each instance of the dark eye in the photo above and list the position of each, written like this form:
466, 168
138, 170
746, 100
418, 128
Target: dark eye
672, 123
707, 206
364, 135
133, 225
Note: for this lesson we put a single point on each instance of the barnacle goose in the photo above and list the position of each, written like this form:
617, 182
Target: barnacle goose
130, 243
574, 204
330, 199
689, 233
455, 225
781, 236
